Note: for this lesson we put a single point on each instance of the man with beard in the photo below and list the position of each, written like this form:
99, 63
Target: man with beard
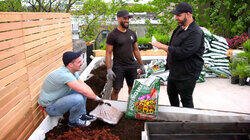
184, 59
122, 42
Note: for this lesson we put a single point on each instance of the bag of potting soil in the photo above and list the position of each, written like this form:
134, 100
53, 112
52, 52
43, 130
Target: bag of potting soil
221, 60
143, 99
217, 56
201, 77
107, 113
155, 66
215, 46
221, 64
218, 51
220, 39
217, 71
220, 44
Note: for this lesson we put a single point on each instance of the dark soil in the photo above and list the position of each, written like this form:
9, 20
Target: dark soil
126, 129
98, 80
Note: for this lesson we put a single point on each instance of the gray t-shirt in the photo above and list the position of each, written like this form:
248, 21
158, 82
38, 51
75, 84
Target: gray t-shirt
55, 87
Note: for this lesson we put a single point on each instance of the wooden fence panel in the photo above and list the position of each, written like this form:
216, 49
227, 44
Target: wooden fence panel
31, 46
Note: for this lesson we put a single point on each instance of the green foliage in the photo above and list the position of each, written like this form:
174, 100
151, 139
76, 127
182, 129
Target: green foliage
36, 5
140, 8
227, 18
167, 22
94, 13
234, 72
12, 6
152, 30
143, 40
102, 45
247, 70
162, 38
240, 69
246, 46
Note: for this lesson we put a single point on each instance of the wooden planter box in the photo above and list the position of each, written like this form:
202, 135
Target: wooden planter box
102, 53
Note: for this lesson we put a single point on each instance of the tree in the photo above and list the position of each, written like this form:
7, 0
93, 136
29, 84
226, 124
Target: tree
96, 15
225, 17
36, 5
11, 6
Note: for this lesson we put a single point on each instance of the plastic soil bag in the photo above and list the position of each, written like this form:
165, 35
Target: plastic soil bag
143, 99
107, 113
155, 66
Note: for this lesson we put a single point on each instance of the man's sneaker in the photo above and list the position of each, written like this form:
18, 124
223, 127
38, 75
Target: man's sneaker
88, 117
80, 123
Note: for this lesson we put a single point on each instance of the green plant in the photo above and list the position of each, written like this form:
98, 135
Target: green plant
238, 66
233, 63
237, 41
162, 38
228, 18
143, 40
240, 69
247, 70
234, 72
246, 45
103, 46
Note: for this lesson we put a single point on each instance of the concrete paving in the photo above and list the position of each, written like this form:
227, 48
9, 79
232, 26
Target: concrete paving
214, 94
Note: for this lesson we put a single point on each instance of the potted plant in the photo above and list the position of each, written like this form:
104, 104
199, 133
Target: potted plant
242, 74
143, 43
247, 70
234, 77
162, 38
234, 72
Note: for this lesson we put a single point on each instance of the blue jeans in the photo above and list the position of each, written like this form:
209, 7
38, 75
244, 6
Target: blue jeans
74, 102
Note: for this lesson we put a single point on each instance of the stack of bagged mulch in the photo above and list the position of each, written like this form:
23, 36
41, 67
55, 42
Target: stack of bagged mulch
216, 62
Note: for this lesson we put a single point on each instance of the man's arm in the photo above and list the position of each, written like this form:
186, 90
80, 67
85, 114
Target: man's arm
109, 51
82, 88
137, 53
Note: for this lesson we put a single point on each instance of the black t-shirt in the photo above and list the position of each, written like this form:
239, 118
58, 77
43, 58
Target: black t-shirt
122, 46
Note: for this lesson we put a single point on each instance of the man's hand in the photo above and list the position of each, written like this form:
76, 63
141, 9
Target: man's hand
110, 74
159, 45
142, 69
99, 100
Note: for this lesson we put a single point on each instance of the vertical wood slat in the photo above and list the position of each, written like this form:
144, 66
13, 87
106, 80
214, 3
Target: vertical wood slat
27, 41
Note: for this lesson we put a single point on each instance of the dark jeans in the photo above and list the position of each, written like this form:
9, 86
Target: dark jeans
184, 88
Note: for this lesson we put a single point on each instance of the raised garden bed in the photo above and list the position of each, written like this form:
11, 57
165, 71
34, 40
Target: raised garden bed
125, 129
128, 128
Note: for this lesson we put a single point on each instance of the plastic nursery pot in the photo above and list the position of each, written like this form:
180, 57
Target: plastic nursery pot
242, 81
234, 79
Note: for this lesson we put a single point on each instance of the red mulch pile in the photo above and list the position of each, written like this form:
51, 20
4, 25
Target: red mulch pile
126, 129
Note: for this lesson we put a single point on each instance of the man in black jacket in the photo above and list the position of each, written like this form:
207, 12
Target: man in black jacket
184, 59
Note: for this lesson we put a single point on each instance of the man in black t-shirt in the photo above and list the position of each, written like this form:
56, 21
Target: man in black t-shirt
122, 42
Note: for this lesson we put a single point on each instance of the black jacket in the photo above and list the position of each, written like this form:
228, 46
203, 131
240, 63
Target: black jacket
185, 53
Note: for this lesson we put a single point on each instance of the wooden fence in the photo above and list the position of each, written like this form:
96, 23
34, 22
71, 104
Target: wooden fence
31, 46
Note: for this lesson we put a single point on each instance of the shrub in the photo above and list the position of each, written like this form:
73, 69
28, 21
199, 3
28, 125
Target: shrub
143, 40
246, 45
162, 38
241, 70
237, 41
